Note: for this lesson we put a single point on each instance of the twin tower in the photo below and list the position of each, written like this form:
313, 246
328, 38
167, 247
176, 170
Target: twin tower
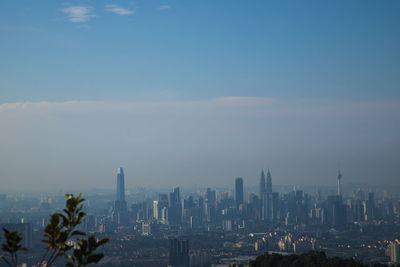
265, 187
268, 200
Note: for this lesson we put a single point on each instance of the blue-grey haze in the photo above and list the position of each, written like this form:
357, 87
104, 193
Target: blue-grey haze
198, 142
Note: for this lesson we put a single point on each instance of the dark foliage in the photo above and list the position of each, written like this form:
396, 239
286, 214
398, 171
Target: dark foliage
310, 259
61, 237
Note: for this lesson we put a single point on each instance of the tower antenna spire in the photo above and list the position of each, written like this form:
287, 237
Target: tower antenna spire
339, 178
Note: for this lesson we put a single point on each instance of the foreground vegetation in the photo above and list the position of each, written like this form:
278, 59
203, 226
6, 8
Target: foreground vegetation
62, 238
310, 259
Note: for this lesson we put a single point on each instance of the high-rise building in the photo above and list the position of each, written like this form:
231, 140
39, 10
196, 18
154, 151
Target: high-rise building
120, 211
120, 184
336, 211
155, 209
262, 196
339, 178
370, 206
275, 206
269, 183
266, 197
262, 185
175, 207
267, 208
394, 252
164, 215
211, 196
239, 191
178, 253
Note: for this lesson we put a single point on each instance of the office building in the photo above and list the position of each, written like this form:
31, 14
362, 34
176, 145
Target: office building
120, 185
175, 207
394, 252
269, 183
262, 185
120, 211
239, 191
178, 253
155, 209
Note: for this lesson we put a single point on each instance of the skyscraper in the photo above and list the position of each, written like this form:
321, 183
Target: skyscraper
269, 183
266, 197
120, 184
262, 194
394, 252
155, 209
178, 253
175, 207
239, 191
262, 185
339, 178
120, 211
370, 206
211, 196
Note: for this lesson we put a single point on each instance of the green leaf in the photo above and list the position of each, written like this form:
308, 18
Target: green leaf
94, 258
102, 242
77, 233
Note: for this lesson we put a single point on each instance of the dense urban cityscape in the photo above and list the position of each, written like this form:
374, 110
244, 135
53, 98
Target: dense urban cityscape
213, 227
155, 133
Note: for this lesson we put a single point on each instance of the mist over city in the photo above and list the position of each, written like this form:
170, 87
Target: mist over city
199, 133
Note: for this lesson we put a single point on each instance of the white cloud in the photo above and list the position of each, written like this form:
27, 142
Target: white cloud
78, 13
119, 10
164, 7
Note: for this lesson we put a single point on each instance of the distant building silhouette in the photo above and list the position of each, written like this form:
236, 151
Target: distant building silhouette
262, 185
339, 186
266, 198
239, 191
394, 252
155, 210
269, 183
175, 207
120, 210
211, 196
262, 190
370, 206
120, 185
178, 253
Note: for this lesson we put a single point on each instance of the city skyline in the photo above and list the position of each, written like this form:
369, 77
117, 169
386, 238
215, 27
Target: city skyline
290, 221
200, 133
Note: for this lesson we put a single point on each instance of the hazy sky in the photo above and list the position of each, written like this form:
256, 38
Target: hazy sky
198, 92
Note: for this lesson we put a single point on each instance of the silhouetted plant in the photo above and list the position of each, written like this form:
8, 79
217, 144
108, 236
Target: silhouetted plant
11, 247
61, 237
311, 258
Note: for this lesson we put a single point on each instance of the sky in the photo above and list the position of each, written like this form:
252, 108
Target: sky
198, 92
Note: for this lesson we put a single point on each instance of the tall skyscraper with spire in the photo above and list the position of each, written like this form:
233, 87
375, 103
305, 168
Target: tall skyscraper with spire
120, 184
262, 185
339, 178
266, 197
269, 182
120, 211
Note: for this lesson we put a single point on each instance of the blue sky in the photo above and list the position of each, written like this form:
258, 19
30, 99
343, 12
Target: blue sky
198, 49
198, 92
